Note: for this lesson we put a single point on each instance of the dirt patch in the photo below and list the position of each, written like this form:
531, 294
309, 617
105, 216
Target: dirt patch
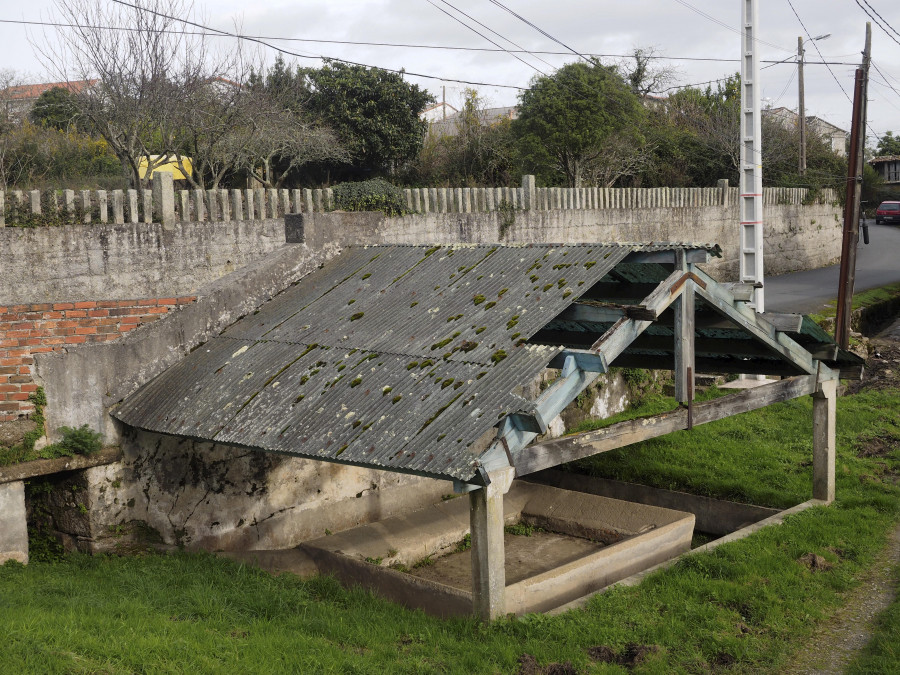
12, 433
882, 367
632, 655
814, 563
528, 665
878, 446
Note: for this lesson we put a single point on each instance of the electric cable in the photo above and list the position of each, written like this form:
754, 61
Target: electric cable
808, 35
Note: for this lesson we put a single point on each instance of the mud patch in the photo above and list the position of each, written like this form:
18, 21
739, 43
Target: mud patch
528, 665
814, 562
878, 446
632, 655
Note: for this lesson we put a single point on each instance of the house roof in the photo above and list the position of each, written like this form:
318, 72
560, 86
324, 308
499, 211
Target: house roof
408, 358
884, 158
26, 92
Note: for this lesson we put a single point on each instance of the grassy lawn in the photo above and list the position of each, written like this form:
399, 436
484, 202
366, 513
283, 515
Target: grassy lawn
746, 607
882, 654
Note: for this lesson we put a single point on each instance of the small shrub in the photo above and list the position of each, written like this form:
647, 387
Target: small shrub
80, 441
369, 195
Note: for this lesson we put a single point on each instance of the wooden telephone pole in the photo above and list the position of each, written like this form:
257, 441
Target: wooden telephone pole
855, 164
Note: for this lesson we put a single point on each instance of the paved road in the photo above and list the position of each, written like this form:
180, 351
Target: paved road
877, 264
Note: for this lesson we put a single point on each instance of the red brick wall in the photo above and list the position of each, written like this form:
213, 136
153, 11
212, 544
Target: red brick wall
29, 329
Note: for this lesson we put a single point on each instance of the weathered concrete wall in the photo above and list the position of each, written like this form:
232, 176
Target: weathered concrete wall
220, 497
120, 262
13, 534
799, 236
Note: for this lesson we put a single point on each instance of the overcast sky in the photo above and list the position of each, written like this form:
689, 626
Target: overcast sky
674, 28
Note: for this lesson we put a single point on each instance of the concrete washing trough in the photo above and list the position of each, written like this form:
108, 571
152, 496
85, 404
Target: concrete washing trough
580, 544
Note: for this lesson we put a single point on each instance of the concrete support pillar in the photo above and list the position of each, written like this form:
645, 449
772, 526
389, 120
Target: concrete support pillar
199, 206
416, 200
2, 209
69, 203
13, 525
298, 200
259, 201
224, 204
308, 204
528, 192
118, 204
433, 198
212, 198
101, 206
132, 196
273, 201
443, 200
148, 206
285, 195
35, 197
488, 551
251, 204
164, 198
237, 205
86, 206
824, 444
320, 205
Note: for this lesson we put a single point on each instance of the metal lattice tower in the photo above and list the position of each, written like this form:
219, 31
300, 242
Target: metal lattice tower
751, 201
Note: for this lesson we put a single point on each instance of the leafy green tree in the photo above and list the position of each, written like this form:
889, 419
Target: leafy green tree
55, 108
374, 112
581, 125
888, 144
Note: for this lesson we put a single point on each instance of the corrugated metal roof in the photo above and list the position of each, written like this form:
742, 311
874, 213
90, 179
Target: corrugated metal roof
399, 357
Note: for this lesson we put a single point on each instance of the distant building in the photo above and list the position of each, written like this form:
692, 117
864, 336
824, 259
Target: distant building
487, 117
19, 100
888, 167
437, 112
834, 136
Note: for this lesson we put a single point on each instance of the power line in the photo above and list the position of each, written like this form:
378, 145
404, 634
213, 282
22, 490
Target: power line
538, 29
400, 45
726, 25
869, 5
886, 83
464, 24
808, 35
187, 22
877, 22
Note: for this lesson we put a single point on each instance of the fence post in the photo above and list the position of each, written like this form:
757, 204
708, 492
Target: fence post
163, 199
528, 192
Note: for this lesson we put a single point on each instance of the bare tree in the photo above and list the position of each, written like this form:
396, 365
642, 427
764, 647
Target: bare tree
281, 141
643, 75
147, 74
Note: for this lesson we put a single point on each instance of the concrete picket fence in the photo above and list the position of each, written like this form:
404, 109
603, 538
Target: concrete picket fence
164, 204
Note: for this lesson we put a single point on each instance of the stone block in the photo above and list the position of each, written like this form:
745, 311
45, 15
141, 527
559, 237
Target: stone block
13, 525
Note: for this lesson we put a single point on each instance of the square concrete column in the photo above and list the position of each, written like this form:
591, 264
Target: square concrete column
164, 198
824, 444
13, 526
488, 550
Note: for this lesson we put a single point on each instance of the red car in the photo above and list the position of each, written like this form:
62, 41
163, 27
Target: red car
888, 212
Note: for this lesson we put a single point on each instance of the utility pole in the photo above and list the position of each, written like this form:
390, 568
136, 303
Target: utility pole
751, 202
854, 190
802, 108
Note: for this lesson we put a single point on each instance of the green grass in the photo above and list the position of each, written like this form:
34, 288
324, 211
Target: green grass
749, 603
869, 298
